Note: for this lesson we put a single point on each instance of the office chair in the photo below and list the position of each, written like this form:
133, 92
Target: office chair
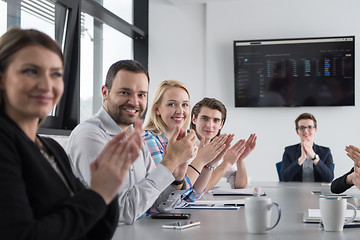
278, 168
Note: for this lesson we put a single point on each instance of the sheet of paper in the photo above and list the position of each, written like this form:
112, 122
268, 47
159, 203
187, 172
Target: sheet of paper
213, 204
315, 213
243, 192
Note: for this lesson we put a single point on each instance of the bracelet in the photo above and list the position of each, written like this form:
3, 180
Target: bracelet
208, 167
194, 168
177, 183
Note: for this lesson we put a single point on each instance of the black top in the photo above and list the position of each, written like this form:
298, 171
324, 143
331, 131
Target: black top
34, 201
291, 171
339, 185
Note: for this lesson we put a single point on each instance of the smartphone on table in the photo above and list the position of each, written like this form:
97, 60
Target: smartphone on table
171, 216
180, 225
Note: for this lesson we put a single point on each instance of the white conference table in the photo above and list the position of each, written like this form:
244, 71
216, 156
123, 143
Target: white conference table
293, 199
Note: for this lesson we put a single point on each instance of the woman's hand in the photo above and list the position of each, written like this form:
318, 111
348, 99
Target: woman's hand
303, 155
308, 146
179, 150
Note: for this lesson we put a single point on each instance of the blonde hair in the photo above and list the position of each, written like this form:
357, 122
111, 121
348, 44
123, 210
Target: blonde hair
153, 121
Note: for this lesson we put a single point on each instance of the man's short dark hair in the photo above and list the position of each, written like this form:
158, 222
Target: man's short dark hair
128, 65
211, 103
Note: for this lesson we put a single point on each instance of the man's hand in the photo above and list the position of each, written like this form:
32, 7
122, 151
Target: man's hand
249, 147
234, 153
179, 172
208, 152
222, 153
356, 179
354, 154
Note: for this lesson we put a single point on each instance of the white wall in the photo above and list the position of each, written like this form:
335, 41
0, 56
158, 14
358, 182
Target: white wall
193, 43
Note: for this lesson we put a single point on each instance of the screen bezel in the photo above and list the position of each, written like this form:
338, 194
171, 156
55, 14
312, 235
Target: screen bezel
288, 41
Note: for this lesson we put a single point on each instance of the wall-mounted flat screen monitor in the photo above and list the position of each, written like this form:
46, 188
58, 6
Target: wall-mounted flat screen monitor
295, 72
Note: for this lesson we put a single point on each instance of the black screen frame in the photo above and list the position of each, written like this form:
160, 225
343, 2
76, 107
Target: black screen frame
244, 83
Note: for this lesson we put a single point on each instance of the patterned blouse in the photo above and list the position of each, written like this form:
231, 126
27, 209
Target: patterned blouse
157, 146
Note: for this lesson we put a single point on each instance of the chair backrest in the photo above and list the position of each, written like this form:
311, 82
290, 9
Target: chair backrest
278, 169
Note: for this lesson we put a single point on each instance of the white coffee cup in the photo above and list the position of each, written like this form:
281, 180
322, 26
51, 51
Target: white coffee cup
258, 214
333, 213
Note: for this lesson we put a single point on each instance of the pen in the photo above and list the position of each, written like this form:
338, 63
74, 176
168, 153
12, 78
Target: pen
233, 205
200, 205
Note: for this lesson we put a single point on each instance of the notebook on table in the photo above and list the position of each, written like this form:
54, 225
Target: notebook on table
313, 215
240, 192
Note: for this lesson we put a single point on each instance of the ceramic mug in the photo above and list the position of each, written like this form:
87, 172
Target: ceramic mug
333, 213
258, 214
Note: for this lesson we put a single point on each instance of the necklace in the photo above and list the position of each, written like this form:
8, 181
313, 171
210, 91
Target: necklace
51, 160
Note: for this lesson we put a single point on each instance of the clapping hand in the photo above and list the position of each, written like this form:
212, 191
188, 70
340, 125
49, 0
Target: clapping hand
111, 166
356, 179
354, 154
209, 151
308, 148
234, 153
227, 146
179, 150
249, 146
180, 171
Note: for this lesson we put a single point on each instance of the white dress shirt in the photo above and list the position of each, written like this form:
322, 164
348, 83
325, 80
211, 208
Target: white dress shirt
145, 186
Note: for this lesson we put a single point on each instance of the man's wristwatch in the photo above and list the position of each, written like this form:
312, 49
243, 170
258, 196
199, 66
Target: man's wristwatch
177, 183
315, 157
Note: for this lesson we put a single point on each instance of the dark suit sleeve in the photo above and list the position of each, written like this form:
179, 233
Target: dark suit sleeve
289, 168
106, 226
339, 185
324, 169
44, 215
